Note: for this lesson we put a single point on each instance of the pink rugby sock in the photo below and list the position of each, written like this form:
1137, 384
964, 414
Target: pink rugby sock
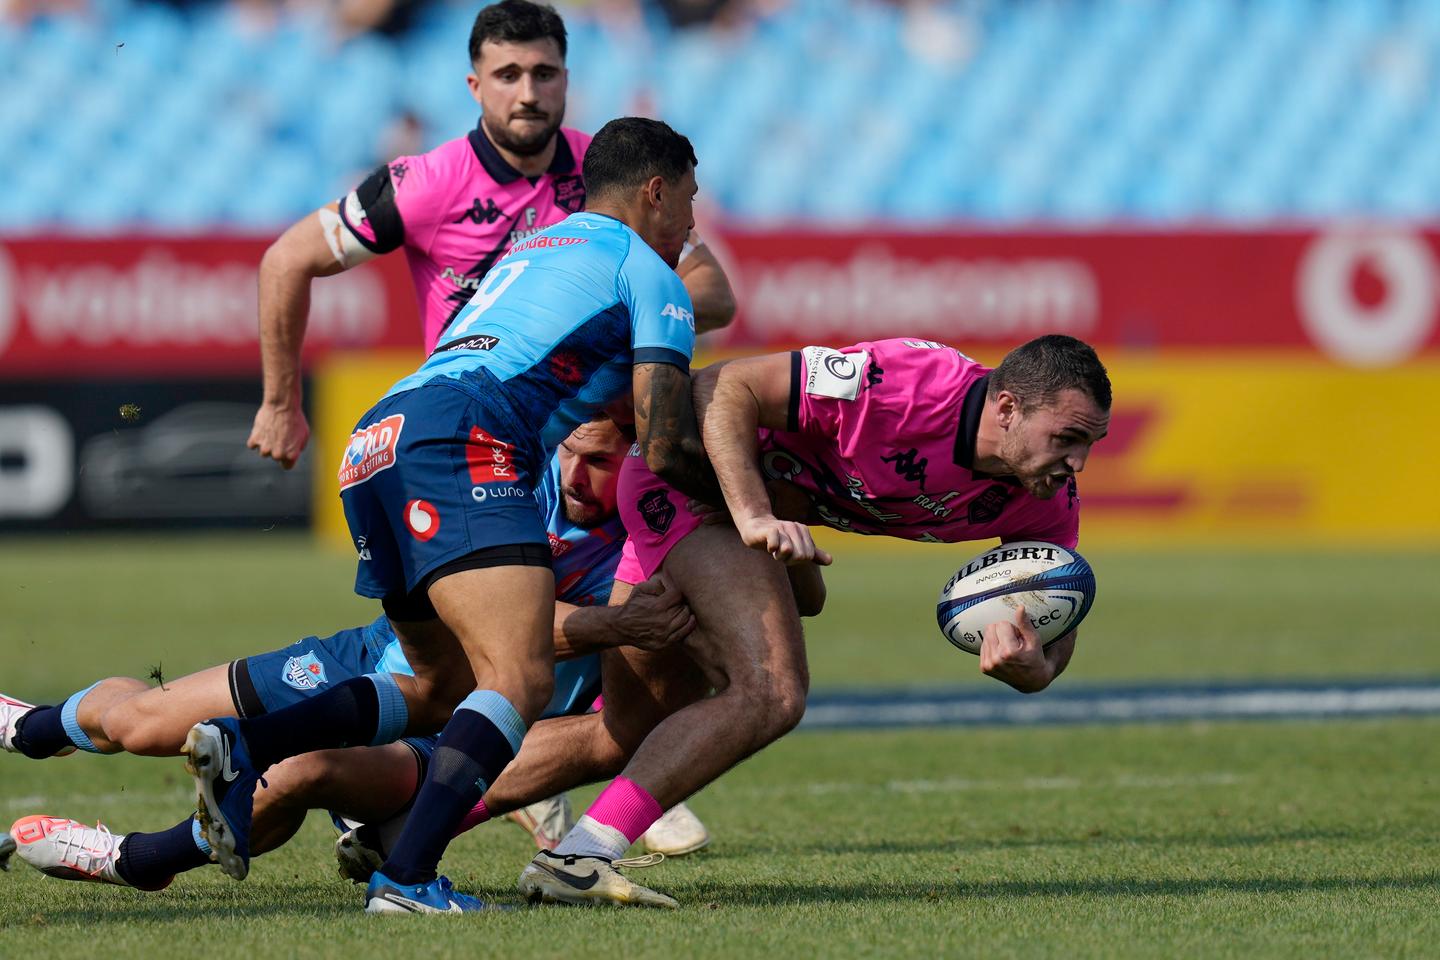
478, 814
625, 806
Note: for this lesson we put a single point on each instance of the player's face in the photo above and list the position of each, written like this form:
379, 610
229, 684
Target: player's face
1047, 446
590, 460
521, 90
673, 215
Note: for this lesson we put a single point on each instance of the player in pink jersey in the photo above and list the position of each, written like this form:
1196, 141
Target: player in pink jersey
455, 210
904, 438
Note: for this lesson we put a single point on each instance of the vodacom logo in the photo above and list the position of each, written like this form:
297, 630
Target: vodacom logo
9, 299
1367, 294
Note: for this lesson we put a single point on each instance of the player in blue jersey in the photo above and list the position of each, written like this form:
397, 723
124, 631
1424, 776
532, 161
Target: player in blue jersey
436, 484
368, 784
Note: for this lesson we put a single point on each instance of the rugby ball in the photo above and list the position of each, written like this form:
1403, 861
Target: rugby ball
1055, 585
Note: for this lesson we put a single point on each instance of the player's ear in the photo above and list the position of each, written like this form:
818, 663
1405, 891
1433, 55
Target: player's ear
1006, 406
655, 191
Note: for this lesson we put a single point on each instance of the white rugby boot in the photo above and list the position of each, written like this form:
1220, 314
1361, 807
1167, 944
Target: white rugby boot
676, 833
68, 849
11, 710
589, 880
358, 854
547, 821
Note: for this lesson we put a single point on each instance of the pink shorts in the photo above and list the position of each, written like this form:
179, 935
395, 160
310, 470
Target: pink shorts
655, 518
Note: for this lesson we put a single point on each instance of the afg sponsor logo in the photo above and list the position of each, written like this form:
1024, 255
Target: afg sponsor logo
677, 312
490, 459
422, 519
371, 450
304, 672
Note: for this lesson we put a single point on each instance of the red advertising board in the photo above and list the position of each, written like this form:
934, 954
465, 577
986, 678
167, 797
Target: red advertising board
125, 306
1362, 295
1366, 296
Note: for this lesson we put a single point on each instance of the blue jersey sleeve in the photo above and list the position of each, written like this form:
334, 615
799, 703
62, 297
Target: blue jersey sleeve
662, 320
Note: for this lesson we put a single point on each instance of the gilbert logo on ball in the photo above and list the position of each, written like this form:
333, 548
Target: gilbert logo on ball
1056, 586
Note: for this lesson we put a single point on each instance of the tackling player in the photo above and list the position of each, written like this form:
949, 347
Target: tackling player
903, 438
435, 485
454, 211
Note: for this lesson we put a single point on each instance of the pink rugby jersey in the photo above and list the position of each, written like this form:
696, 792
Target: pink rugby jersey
456, 210
882, 440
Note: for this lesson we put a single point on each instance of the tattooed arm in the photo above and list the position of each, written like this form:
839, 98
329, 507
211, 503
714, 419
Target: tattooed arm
668, 435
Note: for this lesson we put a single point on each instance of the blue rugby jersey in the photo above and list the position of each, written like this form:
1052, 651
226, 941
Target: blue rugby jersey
584, 561
555, 326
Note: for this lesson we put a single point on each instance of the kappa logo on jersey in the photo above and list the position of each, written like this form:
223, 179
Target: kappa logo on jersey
570, 193
679, 313
989, 505
480, 213
830, 373
657, 510
304, 672
371, 450
422, 519
559, 546
398, 170
490, 459
909, 465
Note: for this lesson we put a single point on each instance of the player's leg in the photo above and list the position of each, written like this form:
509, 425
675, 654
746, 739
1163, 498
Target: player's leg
750, 645
367, 784
41, 731
512, 662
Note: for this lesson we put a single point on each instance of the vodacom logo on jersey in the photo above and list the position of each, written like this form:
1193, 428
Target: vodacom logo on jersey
1367, 295
422, 519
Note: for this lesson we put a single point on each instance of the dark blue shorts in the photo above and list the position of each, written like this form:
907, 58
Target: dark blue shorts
432, 475
272, 681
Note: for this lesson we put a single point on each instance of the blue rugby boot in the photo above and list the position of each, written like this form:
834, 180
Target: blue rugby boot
224, 790
438, 896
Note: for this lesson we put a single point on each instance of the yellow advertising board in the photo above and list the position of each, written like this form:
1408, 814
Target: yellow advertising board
1234, 448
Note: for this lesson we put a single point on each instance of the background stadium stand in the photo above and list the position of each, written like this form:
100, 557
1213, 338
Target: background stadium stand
117, 114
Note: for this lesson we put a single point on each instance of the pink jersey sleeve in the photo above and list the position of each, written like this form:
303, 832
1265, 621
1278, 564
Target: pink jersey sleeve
403, 201
865, 394
1056, 520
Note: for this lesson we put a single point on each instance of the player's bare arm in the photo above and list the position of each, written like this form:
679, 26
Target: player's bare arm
653, 616
319, 245
1012, 652
667, 432
709, 288
746, 395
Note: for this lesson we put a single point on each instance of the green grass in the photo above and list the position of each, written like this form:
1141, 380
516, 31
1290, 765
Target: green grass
1209, 840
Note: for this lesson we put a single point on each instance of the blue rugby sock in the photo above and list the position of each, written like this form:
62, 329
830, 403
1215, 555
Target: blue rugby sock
362, 711
150, 861
41, 733
481, 738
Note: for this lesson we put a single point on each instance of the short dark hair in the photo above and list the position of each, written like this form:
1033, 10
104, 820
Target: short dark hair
516, 21
628, 151
1037, 372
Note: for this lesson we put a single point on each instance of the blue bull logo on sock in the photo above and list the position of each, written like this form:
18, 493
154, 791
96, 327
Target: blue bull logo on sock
304, 672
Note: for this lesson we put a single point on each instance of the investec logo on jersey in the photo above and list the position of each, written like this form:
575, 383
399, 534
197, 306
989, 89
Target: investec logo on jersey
371, 450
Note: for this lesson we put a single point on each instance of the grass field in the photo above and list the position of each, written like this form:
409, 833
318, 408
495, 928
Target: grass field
1258, 839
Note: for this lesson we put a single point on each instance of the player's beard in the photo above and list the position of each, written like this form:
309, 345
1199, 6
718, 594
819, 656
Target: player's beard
523, 146
587, 517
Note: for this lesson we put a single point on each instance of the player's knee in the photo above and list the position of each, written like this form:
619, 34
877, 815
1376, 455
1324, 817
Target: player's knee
137, 729
786, 704
291, 780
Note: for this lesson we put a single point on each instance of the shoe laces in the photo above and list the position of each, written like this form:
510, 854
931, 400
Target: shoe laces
87, 849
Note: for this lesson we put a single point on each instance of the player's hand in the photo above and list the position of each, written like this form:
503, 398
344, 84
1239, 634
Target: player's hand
785, 540
279, 433
655, 615
710, 515
1011, 651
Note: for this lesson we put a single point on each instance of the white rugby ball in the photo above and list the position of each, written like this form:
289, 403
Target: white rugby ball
1056, 586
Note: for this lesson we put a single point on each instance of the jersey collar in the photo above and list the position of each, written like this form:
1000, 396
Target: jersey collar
970, 410
499, 168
